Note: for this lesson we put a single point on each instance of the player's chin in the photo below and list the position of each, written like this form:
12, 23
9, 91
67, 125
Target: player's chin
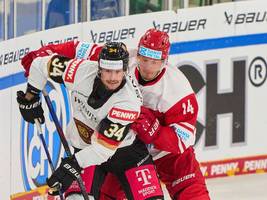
113, 86
149, 76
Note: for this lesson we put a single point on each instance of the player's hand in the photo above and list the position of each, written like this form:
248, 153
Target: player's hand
27, 59
147, 126
68, 171
30, 109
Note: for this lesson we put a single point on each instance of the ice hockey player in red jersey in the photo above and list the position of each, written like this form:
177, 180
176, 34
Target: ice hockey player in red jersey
167, 122
105, 103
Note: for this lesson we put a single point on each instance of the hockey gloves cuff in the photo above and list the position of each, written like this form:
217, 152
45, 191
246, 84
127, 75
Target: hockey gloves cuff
30, 109
147, 126
68, 171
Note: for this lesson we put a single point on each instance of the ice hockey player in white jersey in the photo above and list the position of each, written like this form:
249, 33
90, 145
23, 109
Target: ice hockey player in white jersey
105, 103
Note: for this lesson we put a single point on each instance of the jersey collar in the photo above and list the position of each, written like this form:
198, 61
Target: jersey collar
143, 82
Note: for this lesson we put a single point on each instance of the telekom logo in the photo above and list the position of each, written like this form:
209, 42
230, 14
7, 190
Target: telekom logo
143, 175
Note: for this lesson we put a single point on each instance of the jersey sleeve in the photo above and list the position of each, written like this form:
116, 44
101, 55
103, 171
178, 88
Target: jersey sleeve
67, 49
75, 49
110, 134
179, 130
113, 129
61, 70
88, 51
38, 74
76, 71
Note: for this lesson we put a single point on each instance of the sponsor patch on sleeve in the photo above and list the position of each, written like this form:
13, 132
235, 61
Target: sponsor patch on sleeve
121, 114
83, 50
71, 70
181, 132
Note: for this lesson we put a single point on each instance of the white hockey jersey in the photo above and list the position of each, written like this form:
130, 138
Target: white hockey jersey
121, 109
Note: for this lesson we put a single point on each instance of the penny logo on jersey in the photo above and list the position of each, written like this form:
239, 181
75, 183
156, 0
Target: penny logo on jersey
71, 70
122, 114
34, 162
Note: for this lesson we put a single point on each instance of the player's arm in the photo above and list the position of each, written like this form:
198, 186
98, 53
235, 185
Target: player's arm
42, 68
179, 134
75, 49
176, 133
60, 69
105, 142
67, 49
103, 145
72, 49
112, 132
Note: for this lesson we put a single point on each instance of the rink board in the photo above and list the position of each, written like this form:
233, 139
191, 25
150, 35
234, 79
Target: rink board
224, 57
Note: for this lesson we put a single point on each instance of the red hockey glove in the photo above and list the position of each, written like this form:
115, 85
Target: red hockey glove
147, 126
27, 59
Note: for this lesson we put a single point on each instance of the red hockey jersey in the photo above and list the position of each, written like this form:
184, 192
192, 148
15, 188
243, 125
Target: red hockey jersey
173, 101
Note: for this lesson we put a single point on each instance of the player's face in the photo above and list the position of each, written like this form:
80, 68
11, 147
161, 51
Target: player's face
148, 67
112, 78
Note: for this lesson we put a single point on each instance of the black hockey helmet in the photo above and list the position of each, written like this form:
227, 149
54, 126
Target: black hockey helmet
114, 55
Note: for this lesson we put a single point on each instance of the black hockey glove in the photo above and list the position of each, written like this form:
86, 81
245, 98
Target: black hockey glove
32, 109
68, 171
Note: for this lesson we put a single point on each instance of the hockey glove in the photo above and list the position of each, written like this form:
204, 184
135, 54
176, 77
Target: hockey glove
147, 126
32, 109
68, 171
27, 59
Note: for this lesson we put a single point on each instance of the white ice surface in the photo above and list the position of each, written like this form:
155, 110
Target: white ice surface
242, 187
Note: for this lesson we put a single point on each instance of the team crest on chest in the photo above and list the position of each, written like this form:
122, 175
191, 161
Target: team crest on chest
85, 131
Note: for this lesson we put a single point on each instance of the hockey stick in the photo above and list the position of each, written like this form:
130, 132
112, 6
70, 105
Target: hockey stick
63, 140
40, 134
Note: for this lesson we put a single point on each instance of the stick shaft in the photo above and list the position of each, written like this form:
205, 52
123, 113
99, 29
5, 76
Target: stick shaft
41, 136
63, 139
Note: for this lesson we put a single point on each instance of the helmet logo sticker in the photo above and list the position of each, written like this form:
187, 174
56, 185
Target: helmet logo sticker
111, 64
112, 50
143, 51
